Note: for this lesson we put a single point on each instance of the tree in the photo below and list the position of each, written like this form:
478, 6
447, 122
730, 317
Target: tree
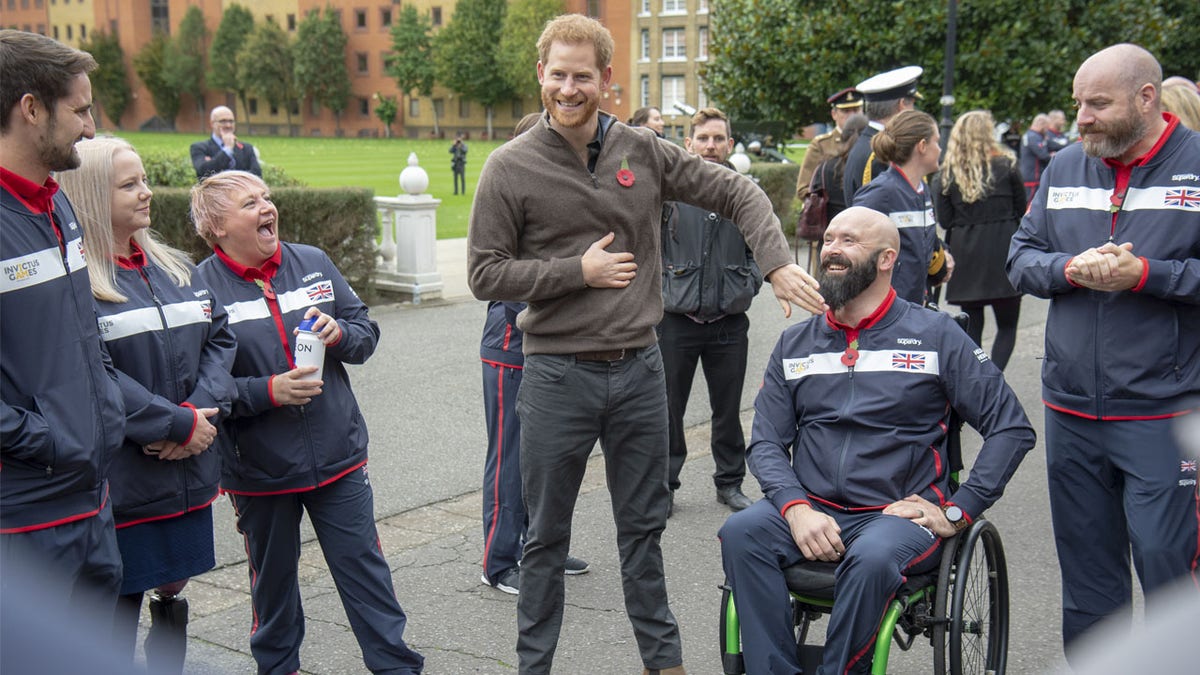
386, 110
320, 61
465, 54
236, 25
183, 60
779, 59
265, 66
411, 63
517, 54
149, 66
110, 80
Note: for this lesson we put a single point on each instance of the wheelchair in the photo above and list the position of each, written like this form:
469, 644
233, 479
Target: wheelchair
962, 609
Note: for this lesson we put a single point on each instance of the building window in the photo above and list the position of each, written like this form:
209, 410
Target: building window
252, 103
435, 15
41, 29
644, 95
701, 97
674, 44
360, 63
70, 31
518, 109
314, 108
645, 44
274, 110
439, 108
291, 23
270, 18
593, 8
702, 43
360, 19
160, 16
364, 107
82, 31
674, 7
385, 17
414, 107
55, 31
702, 7
385, 60
672, 91
464, 107
645, 11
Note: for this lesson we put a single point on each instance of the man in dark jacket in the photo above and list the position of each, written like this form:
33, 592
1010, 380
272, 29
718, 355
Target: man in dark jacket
61, 413
223, 151
1112, 238
849, 445
887, 95
709, 280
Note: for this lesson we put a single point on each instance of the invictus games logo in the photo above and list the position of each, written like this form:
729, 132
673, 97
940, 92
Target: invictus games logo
796, 367
23, 270
1063, 196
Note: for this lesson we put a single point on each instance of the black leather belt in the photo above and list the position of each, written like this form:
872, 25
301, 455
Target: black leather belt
610, 356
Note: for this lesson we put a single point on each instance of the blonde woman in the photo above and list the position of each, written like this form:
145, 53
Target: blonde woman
1184, 101
173, 351
979, 197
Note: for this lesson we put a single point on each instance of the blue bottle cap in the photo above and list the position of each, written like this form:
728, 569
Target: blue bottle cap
307, 324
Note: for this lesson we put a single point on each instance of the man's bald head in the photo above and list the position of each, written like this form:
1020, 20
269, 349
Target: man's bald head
867, 225
218, 112
1128, 66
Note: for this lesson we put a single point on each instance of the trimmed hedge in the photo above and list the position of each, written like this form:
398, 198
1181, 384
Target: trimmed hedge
339, 221
778, 180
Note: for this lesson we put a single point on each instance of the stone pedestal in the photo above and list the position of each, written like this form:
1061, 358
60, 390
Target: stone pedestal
408, 253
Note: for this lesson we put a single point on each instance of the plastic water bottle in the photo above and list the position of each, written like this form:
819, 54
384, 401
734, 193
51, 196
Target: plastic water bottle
310, 351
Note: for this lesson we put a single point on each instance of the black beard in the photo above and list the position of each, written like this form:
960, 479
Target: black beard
839, 289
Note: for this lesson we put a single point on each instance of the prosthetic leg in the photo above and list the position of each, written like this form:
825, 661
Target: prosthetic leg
166, 643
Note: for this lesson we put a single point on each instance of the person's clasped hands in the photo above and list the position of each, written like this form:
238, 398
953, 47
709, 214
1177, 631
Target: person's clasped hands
1110, 267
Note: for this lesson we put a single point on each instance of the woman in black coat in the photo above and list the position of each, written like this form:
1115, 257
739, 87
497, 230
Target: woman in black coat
979, 198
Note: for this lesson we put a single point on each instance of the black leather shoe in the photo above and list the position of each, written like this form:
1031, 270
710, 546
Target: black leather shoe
732, 497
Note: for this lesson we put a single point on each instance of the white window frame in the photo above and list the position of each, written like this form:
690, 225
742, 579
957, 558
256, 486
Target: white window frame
645, 45
674, 44
702, 43
670, 7
644, 96
673, 88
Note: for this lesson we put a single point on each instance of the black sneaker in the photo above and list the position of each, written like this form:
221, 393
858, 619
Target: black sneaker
509, 582
575, 566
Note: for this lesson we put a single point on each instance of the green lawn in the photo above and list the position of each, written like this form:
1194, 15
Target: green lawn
363, 162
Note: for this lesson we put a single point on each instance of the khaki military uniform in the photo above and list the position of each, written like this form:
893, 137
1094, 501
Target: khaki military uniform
823, 147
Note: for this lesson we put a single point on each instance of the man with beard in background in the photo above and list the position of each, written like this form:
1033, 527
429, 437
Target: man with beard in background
1112, 239
848, 445
549, 205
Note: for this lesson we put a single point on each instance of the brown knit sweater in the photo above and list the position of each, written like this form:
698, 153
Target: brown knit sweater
537, 210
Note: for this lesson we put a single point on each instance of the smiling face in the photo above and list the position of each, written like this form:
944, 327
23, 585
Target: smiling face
69, 122
858, 246
656, 122
572, 84
130, 201
248, 231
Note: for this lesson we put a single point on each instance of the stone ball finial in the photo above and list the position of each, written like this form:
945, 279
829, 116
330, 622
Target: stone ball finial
413, 178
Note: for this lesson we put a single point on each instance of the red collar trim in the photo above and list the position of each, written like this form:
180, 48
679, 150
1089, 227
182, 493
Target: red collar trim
263, 273
36, 198
136, 259
1172, 122
867, 322
920, 186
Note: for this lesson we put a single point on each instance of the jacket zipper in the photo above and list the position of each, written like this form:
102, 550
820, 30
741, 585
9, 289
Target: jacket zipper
180, 472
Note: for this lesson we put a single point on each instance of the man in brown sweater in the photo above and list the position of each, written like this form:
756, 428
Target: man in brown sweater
549, 206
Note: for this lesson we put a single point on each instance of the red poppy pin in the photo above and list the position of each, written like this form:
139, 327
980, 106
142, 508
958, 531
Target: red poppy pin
625, 175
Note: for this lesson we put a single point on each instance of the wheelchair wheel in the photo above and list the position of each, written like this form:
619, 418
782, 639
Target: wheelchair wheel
977, 627
941, 607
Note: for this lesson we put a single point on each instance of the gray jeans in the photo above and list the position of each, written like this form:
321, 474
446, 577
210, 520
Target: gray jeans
565, 407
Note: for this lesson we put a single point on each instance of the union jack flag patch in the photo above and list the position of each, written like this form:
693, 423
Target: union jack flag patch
1188, 198
320, 291
206, 307
1187, 466
908, 361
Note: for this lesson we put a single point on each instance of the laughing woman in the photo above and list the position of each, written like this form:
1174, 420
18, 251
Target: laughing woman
173, 351
296, 444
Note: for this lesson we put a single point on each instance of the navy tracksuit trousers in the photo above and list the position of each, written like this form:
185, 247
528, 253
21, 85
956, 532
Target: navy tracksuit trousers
1116, 488
343, 516
756, 544
504, 520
